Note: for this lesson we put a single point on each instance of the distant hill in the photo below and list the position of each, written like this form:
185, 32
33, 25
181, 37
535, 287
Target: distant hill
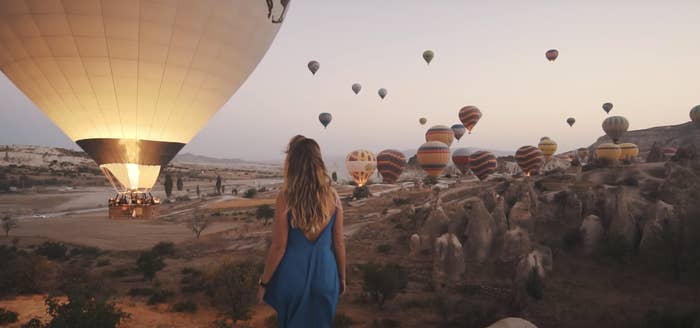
190, 158
664, 136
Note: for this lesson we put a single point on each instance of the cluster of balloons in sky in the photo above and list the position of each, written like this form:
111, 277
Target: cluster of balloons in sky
434, 155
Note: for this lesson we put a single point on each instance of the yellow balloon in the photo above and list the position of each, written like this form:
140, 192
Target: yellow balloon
609, 151
131, 82
628, 151
441, 133
548, 147
361, 165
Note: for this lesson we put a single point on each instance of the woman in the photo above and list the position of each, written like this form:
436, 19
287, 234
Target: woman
305, 266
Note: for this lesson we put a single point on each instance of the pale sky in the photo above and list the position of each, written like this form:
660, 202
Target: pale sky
643, 56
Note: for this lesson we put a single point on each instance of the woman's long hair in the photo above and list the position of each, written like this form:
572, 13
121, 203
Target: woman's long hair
307, 186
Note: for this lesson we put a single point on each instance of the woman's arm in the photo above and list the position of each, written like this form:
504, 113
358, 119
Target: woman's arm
339, 242
280, 228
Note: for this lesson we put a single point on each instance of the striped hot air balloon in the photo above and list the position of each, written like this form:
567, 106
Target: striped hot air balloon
552, 54
325, 119
440, 133
482, 163
529, 159
608, 151
459, 130
390, 164
695, 115
469, 116
548, 147
615, 127
433, 157
628, 151
460, 158
361, 165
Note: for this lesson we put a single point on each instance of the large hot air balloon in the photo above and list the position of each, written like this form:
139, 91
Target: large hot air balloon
131, 82
607, 107
356, 87
571, 121
615, 127
433, 157
548, 147
313, 66
325, 119
390, 164
482, 163
428, 56
608, 151
552, 54
361, 165
695, 115
469, 116
440, 133
529, 159
422, 120
459, 130
382, 93
460, 158
628, 151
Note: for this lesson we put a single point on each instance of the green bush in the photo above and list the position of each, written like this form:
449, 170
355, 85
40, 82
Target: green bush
160, 296
384, 248
88, 252
186, 306
534, 285
250, 193
164, 248
7, 316
52, 250
382, 283
341, 320
233, 287
149, 263
33, 323
265, 212
84, 309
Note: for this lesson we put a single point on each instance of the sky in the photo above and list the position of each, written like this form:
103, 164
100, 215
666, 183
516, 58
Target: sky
643, 56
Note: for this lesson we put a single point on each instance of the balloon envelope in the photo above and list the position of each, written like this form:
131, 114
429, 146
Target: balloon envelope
548, 147
361, 165
440, 133
422, 120
313, 66
571, 121
459, 130
382, 93
428, 56
460, 157
615, 127
433, 157
552, 54
482, 163
390, 164
695, 115
356, 88
608, 151
628, 151
607, 107
325, 118
131, 82
529, 159
469, 116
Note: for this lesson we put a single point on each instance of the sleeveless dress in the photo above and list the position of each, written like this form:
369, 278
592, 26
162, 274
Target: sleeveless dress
305, 287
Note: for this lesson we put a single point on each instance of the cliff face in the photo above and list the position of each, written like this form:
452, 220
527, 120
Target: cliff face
664, 136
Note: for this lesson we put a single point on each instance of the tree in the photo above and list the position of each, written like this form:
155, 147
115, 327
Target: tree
265, 212
232, 287
218, 185
382, 283
334, 177
197, 190
198, 224
8, 223
149, 263
168, 185
85, 307
180, 184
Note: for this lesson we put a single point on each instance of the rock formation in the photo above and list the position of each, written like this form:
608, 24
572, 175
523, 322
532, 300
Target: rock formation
515, 244
448, 261
512, 323
434, 226
592, 232
478, 236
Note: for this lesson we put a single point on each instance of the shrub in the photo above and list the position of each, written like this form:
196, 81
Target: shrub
401, 201
341, 320
232, 287
386, 323
186, 306
160, 296
88, 252
134, 292
384, 248
534, 285
250, 193
164, 248
265, 212
84, 308
52, 250
33, 323
149, 263
382, 283
103, 262
572, 239
7, 316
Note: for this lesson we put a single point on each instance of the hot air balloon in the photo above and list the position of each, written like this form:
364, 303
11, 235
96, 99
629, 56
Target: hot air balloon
433, 157
607, 107
132, 82
552, 54
548, 147
382, 93
313, 66
529, 159
482, 163
615, 127
428, 56
695, 115
460, 157
422, 120
356, 88
390, 164
608, 151
440, 133
361, 165
571, 121
628, 151
325, 119
469, 116
459, 130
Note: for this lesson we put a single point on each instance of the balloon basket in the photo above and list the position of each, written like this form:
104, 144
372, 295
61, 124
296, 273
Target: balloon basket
361, 192
133, 205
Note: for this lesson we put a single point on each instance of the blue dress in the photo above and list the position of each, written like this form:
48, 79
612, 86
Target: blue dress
305, 287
